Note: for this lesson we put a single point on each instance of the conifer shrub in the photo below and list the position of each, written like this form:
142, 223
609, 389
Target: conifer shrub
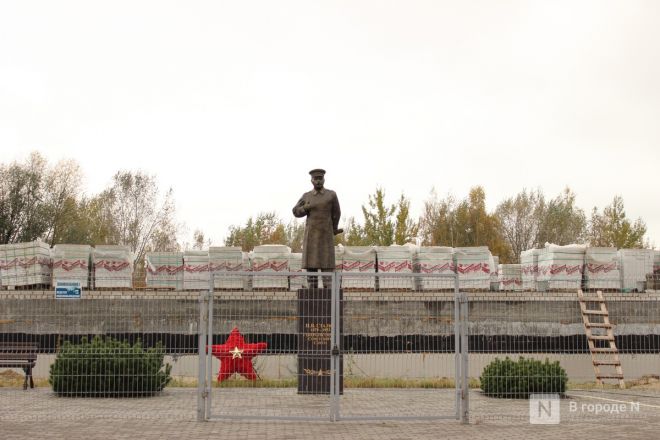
518, 379
106, 367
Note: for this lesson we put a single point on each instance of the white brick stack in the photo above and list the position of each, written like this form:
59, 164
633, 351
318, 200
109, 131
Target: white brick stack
435, 260
223, 260
71, 263
635, 265
25, 264
164, 270
473, 267
656, 262
358, 259
510, 277
561, 267
113, 266
529, 266
196, 270
295, 265
494, 273
396, 260
270, 258
601, 268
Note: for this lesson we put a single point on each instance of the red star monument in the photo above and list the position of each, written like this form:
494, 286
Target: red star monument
236, 356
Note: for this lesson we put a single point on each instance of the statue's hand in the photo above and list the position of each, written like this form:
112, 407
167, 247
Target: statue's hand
339, 231
307, 206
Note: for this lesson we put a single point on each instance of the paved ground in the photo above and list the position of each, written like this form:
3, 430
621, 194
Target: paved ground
39, 414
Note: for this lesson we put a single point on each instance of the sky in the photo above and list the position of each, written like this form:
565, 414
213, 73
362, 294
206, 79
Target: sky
232, 103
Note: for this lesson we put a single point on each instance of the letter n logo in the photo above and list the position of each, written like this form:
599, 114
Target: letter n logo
544, 409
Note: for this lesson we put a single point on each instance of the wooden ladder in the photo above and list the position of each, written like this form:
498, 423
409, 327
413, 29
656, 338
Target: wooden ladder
600, 337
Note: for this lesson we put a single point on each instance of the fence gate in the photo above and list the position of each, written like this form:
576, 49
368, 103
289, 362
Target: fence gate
336, 346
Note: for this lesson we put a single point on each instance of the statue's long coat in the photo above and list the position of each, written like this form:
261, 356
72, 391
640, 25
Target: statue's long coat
322, 222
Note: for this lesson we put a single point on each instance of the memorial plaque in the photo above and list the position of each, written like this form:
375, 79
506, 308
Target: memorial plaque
314, 345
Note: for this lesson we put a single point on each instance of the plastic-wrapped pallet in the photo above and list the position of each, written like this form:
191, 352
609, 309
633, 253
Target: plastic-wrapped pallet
295, 265
396, 260
196, 270
358, 259
71, 263
635, 265
510, 277
25, 264
529, 265
435, 260
113, 266
226, 259
601, 268
270, 258
473, 267
561, 267
494, 272
164, 270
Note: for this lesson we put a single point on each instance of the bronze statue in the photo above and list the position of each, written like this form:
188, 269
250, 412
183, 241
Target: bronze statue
321, 207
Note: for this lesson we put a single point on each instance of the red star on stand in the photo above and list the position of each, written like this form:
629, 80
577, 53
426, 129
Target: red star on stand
236, 356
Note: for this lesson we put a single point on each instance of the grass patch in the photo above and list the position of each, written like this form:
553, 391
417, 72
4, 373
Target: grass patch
349, 382
394, 382
13, 379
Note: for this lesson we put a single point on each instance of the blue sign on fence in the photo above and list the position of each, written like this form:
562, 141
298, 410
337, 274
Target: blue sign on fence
68, 290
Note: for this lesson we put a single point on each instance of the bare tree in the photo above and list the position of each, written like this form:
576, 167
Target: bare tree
519, 218
142, 219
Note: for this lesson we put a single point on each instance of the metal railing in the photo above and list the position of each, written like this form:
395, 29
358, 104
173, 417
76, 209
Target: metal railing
339, 353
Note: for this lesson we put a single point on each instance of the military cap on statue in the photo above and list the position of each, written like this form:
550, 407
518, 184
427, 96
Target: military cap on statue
317, 172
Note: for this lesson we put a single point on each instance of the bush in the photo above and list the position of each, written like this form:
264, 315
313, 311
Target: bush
108, 368
507, 378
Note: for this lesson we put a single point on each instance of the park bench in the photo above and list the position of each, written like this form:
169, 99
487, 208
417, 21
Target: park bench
19, 355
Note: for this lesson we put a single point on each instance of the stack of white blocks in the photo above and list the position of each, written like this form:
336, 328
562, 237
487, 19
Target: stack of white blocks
601, 268
24, 264
270, 258
396, 260
560, 267
435, 260
529, 265
164, 270
113, 266
510, 277
71, 263
196, 270
358, 259
635, 265
473, 267
223, 261
494, 273
295, 265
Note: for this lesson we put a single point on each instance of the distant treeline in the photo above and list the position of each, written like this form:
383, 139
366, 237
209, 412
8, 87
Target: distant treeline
524, 221
40, 200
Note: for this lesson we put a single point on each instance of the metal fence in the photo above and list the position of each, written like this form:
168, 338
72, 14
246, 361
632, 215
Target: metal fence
401, 344
605, 344
377, 349
127, 336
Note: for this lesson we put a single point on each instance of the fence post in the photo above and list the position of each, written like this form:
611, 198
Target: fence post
457, 349
209, 356
465, 389
201, 352
335, 344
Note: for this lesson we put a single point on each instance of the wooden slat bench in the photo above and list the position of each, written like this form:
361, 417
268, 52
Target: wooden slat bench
19, 355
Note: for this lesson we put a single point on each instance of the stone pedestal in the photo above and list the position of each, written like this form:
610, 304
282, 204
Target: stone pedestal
314, 347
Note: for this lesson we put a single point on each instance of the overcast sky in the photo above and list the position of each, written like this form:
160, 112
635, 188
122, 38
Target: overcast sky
231, 103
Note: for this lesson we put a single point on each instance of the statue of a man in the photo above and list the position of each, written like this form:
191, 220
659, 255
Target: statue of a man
321, 207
